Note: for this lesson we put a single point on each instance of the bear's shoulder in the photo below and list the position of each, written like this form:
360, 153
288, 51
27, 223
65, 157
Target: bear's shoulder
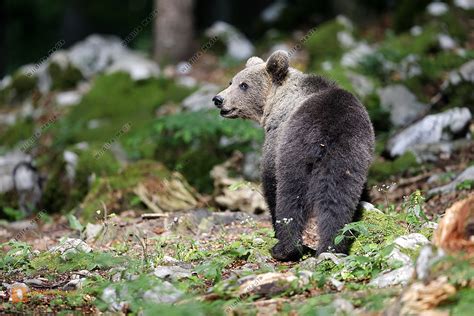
314, 83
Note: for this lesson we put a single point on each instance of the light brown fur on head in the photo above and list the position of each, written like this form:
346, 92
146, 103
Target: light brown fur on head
249, 90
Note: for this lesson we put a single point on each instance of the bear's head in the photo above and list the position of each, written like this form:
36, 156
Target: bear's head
247, 93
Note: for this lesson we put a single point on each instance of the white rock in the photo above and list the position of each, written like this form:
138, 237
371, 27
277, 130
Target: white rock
464, 73
416, 30
202, 98
396, 255
403, 105
437, 8
71, 159
97, 54
355, 56
273, 11
345, 39
68, 98
411, 241
345, 21
400, 276
8, 162
431, 129
366, 206
326, 65
171, 272
465, 4
164, 293
71, 246
5, 82
137, 66
425, 259
362, 85
238, 46
409, 67
446, 42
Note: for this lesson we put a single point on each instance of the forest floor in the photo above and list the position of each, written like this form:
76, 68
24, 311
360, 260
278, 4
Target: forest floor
208, 262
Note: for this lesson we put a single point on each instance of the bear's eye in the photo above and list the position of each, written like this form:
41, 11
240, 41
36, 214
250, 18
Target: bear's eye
230, 83
243, 86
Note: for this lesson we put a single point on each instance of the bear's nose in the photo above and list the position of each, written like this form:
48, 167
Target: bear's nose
218, 100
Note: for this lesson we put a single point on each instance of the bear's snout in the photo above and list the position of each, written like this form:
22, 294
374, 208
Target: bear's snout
218, 101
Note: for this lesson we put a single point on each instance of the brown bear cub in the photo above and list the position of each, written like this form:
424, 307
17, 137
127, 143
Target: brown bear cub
319, 144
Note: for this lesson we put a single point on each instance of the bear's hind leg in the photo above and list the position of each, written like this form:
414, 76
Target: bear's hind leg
292, 171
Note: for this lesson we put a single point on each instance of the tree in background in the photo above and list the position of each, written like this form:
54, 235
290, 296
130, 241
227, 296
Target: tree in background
173, 30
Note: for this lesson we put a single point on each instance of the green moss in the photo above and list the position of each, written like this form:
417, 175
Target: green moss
61, 195
63, 79
23, 84
323, 44
21, 131
395, 48
382, 231
382, 169
339, 75
115, 100
380, 118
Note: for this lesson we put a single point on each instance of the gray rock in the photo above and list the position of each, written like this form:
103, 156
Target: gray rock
8, 162
136, 65
202, 98
464, 4
466, 175
437, 8
71, 159
402, 105
97, 54
441, 150
27, 184
238, 46
273, 11
400, 276
172, 273
431, 129
164, 293
362, 85
428, 255
71, 246
396, 256
268, 284
409, 67
411, 241
343, 307
110, 297
353, 57
464, 73
74, 284
93, 231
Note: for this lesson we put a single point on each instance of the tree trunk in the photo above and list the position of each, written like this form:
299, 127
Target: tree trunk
174, 30
3, 50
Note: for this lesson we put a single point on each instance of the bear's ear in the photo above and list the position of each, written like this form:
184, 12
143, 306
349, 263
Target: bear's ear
277, 66
252, 61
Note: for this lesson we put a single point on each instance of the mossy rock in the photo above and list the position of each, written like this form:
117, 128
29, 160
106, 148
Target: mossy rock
23, 84
115, 100
148, 182
381, 169
382, 228
324, 44
64, 78
59, 193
